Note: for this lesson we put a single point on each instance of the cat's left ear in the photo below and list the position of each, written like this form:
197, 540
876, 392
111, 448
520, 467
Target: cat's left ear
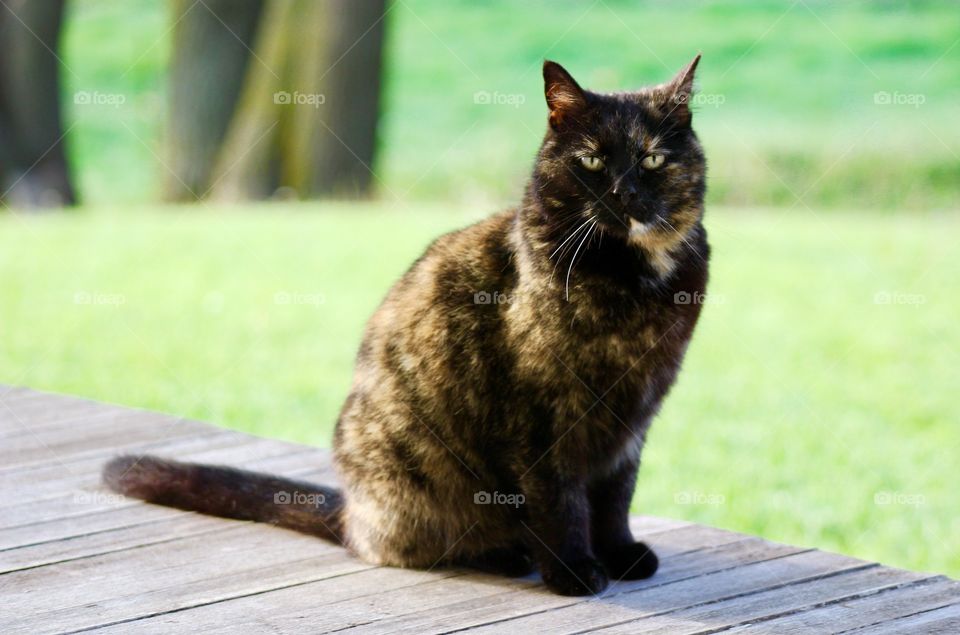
564, 96
680, 89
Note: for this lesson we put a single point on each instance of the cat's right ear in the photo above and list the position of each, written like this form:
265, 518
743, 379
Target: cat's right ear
565, 98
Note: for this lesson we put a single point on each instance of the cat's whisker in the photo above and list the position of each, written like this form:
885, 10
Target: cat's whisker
567, 249
574, 233
574, 258
677, 232
571, 242
571, 216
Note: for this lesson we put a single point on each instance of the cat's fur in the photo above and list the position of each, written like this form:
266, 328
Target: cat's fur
520, 356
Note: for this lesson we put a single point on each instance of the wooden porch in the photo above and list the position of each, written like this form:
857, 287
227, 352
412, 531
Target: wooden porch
76, 557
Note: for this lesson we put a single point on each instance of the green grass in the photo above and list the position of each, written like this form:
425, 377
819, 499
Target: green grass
790, 86
802, 399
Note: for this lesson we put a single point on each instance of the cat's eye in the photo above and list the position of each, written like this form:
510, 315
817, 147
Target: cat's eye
594, 164
652, 161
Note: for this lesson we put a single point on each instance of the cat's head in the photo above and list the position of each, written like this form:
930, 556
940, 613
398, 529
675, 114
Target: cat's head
630, 160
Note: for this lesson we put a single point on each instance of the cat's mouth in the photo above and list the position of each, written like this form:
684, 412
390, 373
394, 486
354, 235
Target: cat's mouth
641, 220
640, 224
637, 229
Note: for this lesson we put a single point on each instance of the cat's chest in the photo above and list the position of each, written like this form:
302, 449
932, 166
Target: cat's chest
626, 355
626, 327
635, 353
618, 382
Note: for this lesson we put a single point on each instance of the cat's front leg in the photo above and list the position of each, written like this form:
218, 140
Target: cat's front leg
558, 531
610, 496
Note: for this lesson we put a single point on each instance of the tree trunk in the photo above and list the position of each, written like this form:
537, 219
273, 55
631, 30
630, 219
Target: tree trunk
346, 72
305, 123
248, 164
211, 52
33, 165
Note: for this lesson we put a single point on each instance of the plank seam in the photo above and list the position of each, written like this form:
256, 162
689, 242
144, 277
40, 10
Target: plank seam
652, 586
853, 596
221, 600
76, 457
907, 616
134, 502
122, 549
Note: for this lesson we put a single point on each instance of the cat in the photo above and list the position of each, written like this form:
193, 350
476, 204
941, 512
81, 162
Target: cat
504, 387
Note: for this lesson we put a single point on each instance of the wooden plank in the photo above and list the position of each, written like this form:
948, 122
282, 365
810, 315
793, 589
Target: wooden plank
797, 590
100, 434
37, 415
475, 612
81, 525
309, 608
92, 498
879, 608
86, 520
36, 482
942, 621
362, 602
747, 572
13, 393
35, 478
73, 558
247, 559
88, 536
32, 418
49, 480
646, 525
94, 508
104, 542
103, 437
19, 395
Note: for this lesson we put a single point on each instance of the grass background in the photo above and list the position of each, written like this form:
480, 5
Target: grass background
789, 88
810, 409
805, 399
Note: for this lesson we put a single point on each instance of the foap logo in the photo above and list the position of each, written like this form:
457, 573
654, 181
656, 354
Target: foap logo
898, 297
295, 497
699, 498
98, 498
99, 299
494, 297
96, 98
496, 98
896, 98
899, 498
685, 297
714, 100
296, 98
498, 498
299, 298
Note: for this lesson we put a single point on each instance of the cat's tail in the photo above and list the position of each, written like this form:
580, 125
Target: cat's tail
230, 493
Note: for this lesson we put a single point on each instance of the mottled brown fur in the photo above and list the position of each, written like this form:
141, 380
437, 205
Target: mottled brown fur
504, 362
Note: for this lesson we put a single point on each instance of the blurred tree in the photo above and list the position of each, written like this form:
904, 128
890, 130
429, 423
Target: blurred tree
33, 166
304, 121
212, 43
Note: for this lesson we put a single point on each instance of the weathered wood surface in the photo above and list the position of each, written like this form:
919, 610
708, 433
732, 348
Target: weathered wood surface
75, 557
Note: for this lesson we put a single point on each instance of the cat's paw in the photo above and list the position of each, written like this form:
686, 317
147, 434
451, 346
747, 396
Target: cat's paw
632, 561
579, 577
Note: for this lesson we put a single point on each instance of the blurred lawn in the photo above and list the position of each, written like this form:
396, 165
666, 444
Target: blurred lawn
790, 94
806, 398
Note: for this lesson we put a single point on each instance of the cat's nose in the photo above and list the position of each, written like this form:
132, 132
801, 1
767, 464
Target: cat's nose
626, 190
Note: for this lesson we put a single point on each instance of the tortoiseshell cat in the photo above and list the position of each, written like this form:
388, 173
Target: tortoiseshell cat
504, 387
